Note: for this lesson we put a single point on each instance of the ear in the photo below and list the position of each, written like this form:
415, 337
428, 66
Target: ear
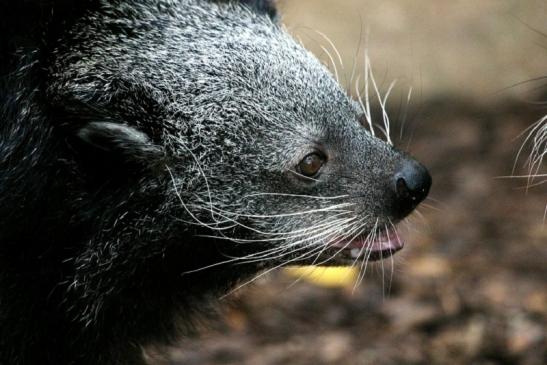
263, 6
120, 140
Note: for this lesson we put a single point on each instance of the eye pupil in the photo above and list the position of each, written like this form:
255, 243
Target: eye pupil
311, 164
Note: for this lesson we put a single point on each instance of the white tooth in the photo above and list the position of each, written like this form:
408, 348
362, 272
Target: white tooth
355, 252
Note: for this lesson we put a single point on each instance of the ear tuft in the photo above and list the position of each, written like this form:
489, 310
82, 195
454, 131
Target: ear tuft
118, 138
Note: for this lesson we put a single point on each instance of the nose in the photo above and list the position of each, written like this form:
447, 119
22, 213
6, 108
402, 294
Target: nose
411, 184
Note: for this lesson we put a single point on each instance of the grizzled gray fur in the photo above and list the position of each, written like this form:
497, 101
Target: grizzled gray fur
151, 157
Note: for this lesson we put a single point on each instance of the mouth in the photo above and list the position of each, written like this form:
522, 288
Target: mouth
371, 247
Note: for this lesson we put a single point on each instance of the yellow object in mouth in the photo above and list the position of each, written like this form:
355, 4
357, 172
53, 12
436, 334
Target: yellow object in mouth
329, 277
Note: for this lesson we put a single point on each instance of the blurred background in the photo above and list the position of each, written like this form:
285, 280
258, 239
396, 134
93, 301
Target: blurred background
470, 287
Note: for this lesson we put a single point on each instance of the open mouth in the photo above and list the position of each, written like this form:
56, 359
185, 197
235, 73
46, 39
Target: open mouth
373, 247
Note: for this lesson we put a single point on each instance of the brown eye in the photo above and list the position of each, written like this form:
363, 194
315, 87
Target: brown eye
311, 164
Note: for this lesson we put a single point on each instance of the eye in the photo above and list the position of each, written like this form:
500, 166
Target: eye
311, 164
363, 120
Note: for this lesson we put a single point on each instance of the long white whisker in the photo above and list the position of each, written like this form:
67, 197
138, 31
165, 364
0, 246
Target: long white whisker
366, 110
267, 254
333, 47
296, 259
369, 249
359, 229
297, 196
335, 69
284, 234
277, 236
333, 208
178, 195
293, 244
403, 122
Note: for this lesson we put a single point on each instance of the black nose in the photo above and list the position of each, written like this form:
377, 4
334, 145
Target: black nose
411, 183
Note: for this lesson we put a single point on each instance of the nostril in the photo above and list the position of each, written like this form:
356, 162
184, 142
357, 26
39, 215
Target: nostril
402, 188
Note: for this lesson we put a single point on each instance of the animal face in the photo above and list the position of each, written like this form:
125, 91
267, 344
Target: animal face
244, 135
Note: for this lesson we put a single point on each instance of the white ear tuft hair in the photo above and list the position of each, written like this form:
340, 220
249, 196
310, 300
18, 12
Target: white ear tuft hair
116, 137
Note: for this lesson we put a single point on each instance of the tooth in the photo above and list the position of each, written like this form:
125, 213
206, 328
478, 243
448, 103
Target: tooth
355, 253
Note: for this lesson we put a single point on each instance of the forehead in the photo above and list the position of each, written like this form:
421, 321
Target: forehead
245, 68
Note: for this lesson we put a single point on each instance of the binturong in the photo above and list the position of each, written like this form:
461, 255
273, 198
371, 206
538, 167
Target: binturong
156, 153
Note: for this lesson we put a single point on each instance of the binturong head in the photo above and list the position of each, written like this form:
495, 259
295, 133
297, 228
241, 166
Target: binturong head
208, 131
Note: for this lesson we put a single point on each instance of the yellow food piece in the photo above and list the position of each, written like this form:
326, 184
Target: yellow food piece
330, 277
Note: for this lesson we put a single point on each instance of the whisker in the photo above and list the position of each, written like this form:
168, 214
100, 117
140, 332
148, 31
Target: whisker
298, 258
335, 69
403, 121
531, 132
262, 255
354, 63
431, 207
365, 107
333, 208
345, 246
296, 196
325, 246
332, 46
297, 243
285, 235
368, 251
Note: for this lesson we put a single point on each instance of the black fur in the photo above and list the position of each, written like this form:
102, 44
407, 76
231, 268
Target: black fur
43, 225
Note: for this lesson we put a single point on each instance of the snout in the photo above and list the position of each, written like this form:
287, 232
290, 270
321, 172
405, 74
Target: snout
411, 183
